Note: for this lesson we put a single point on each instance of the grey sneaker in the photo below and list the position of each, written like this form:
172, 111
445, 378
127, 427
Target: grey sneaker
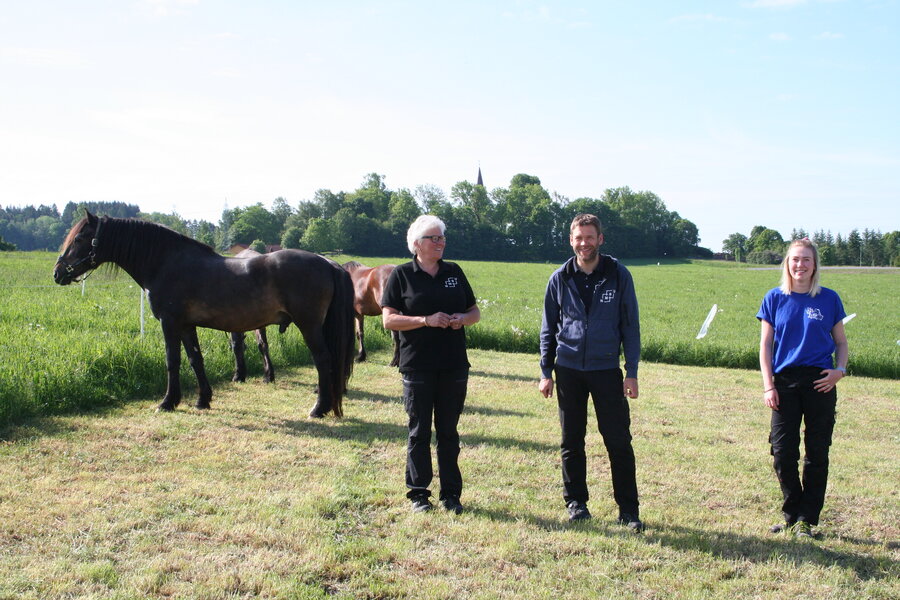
578, 511
420, 504
781, 527
802, 530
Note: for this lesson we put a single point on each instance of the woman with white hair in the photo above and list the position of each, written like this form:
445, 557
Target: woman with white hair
802, 327
429, 301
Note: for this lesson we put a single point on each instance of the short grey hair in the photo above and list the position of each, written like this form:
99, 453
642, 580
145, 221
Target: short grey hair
418, 229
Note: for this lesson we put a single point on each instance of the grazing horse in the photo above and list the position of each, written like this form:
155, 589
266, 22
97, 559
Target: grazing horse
238, 346
368, 286
191, 286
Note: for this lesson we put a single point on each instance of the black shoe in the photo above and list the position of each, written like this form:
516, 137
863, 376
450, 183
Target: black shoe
578, 511
420, 504
630, 521
452, 504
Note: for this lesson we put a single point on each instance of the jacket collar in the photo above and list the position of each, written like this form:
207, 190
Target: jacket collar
606, 267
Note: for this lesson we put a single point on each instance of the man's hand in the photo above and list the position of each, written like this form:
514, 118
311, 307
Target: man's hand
546, 387
630, 387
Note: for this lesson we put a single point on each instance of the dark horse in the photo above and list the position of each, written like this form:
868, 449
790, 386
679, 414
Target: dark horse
191, 286
368, 286
238, 346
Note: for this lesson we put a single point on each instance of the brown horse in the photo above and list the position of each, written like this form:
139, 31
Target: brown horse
368, 285
191, 286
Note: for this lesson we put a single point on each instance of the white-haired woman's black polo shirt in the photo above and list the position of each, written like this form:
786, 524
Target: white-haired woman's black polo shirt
412, 291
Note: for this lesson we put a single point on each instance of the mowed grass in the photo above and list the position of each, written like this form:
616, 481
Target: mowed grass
63, 349
252, 500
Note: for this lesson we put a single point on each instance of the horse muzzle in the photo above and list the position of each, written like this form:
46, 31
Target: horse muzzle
62, 274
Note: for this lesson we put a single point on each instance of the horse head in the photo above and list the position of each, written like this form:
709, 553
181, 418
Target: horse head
78, 254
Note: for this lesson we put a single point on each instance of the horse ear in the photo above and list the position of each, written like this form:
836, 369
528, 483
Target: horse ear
90, 217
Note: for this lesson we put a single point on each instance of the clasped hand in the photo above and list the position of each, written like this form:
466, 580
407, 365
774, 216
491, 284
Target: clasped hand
443, 320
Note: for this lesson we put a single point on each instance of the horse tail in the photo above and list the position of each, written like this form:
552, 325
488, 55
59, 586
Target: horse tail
339, 329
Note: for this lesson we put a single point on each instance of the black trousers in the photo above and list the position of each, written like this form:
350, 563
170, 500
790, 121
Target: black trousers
614, 423
798, 401
440, 394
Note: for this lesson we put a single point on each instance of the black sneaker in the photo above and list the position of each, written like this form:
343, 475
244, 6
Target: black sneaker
578, 511
630, 521
452, 504
420, 504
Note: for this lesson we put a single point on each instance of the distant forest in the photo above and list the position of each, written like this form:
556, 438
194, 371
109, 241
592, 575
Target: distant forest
522, 222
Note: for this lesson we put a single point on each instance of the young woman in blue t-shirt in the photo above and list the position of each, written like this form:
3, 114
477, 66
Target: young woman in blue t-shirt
802, 327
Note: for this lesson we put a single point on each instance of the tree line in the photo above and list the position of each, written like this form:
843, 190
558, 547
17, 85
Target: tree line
766, 246
521, 222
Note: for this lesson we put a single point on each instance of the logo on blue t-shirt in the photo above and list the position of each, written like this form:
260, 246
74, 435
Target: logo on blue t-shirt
452, 282
814, 313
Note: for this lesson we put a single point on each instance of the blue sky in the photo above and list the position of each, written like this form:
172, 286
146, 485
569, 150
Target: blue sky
781, 113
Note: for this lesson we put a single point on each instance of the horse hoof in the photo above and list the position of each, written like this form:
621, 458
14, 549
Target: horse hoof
165, 408
202, 405
316, 414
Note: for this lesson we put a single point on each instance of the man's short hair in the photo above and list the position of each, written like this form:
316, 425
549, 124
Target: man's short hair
585, 219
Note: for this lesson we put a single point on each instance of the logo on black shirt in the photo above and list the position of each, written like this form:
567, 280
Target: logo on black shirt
451, 282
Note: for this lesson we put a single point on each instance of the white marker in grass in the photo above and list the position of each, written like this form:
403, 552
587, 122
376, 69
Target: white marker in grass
705, 327
848, 318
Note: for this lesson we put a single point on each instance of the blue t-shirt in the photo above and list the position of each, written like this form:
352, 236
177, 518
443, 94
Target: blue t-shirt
802, 327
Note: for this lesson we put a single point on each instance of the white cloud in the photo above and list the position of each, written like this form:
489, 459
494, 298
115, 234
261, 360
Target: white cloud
776, 3
165, 8
41, 57
828, 35
779, 36
708, 18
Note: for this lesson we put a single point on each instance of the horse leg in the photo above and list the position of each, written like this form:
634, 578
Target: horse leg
262, 342
395, 338
315, 341
195, 358
360, 321
173, 365
238, 346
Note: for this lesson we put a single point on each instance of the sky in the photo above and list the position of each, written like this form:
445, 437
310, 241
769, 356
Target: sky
736, 113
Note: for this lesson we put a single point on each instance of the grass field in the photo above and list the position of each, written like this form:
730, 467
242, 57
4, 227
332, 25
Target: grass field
252, 500
64, 350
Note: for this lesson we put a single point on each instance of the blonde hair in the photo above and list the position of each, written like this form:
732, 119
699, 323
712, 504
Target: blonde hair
786, 280
419, 227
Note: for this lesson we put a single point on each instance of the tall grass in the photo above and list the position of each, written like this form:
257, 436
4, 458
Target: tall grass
61, 350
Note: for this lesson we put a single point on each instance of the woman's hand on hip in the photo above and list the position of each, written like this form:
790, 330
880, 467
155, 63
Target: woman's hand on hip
827, 383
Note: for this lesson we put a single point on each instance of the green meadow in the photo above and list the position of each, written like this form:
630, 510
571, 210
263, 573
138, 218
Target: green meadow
102, 498
67, 348
251, 499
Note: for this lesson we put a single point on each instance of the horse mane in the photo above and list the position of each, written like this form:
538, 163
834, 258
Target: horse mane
76, 229
353, 265
133, 241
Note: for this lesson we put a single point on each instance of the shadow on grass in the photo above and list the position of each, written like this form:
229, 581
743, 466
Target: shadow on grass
730, 546
724, 545
503, 376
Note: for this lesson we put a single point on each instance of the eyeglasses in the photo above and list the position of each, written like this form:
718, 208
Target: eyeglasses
435, 239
